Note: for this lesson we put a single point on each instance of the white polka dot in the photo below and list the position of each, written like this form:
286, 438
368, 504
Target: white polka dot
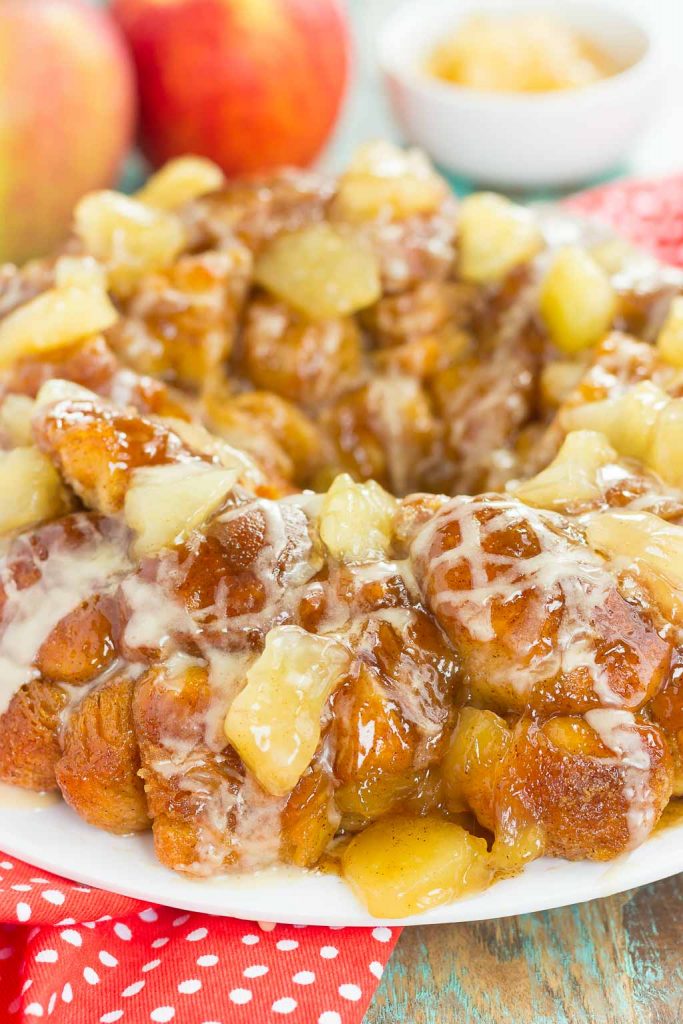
189, 987
23, 912
5, 865
110, 1018
81, 888
67, 993
285, 1005
133, 989
105, 917
123, 931
26, 986
304, 978
65, 921
197, 934
89, 924
286, 944
149, 914
107, 959
151, 966
21, 888
329, 952
183, 919
53, 896
256, 971
47, 956
240, 996
210, 960
381, 934
162, 1014
6, 953
51, 1003
376, 969
40, 881
329, 1017
91, 976
34, 1010
250, 940
158, 943
350, 992
72, 937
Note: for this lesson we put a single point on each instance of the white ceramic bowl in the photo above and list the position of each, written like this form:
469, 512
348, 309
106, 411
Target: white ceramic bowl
515, 140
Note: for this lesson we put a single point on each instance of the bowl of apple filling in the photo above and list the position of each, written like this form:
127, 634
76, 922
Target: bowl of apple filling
342, 562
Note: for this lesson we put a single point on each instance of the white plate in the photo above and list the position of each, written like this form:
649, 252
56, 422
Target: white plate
55, 839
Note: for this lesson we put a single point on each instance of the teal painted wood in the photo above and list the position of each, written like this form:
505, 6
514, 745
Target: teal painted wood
613, 961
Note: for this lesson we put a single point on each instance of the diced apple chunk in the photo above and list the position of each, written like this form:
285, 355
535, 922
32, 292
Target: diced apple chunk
670, 337
648, 545
165, 503
577, 300
130, 237
627, 421
81, 272
274, 723
495, 236
402, 866
356, 520
385, 179
571, 479
58, 390
558, 379
55, 318
16, 413
32, 487
665, 456
320, 271
181, 180
478, 745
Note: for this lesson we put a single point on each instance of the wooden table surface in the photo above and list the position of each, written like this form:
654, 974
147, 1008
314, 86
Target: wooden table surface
612, 961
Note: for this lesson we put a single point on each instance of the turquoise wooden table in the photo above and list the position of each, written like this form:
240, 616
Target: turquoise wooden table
612, 961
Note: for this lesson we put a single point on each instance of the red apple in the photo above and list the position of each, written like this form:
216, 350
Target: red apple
67, 114
252, 84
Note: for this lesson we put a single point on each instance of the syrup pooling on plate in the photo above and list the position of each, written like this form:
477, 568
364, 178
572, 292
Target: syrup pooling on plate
342, 542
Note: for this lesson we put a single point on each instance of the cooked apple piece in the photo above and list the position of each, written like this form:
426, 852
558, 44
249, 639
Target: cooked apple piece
402, 866
33, 489
320, 271
130, 237
572, 477
648, 545
165, 503
577, 300
628, 421
558, 379
179, 181
53, 319
274, 723
670, 337
356, 520
385, 179
478, 745
80, 272
16, 412
665, 456
57, 390
495, 236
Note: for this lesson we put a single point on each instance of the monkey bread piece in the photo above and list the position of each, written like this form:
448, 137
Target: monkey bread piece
97, 447
536, 615
81, 645
302, 360
98, 770
180, 323
30, 748
592, 787
400, 689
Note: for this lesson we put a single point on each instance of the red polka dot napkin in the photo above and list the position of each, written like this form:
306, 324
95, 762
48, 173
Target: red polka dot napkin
73, 954
70, 954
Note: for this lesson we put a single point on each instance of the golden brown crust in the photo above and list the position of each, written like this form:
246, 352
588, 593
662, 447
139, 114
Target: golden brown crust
98, 770
30, 748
